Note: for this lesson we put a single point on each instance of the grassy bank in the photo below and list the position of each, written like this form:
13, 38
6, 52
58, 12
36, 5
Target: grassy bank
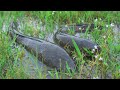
107, 67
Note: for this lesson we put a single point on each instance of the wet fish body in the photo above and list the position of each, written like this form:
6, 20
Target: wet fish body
50, 54
65, 39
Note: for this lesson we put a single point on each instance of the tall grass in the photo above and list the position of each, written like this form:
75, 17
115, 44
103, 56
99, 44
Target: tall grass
31, 25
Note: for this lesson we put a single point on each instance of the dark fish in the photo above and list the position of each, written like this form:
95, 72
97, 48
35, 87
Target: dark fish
65, 39
50, 54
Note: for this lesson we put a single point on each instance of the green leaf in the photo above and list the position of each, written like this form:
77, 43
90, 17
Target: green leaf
76, 48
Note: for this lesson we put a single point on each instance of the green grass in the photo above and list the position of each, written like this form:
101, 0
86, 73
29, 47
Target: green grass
31, 25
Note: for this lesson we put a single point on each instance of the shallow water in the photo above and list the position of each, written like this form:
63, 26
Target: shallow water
32, 66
